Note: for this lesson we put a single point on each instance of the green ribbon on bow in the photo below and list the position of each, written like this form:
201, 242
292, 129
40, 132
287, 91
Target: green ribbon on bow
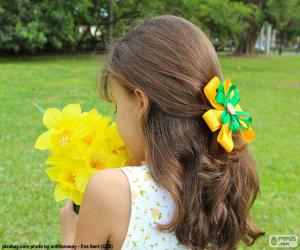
238, 120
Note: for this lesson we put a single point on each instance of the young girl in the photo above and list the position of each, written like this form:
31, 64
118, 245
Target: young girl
183, 190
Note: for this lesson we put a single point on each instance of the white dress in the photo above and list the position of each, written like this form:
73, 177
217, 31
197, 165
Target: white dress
151, 204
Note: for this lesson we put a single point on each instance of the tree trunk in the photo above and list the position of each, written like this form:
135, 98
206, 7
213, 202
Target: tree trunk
247, 40
281, 42
111, 18
249, 36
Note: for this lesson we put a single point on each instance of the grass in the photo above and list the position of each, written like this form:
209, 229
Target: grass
269, 88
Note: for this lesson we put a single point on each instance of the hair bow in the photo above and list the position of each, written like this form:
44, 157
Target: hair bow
227, 114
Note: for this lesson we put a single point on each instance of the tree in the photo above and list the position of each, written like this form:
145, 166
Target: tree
20, 29
28, 26
254, 22
221, 20
284, 16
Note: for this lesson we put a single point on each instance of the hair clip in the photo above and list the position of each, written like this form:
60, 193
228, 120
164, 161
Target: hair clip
227, 114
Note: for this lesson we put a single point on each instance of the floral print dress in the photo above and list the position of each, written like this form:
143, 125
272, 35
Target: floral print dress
150, 204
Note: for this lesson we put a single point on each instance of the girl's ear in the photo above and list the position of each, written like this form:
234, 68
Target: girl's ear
142, 102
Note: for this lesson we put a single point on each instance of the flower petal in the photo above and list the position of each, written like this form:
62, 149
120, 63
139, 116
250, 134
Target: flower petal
60, 193
52, 118
71, 115
76, 197
43, 140
51, 160
81, 179
52, 172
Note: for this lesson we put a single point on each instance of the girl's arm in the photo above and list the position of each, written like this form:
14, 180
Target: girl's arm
94, 223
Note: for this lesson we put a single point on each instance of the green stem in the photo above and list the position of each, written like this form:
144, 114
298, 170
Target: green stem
39, 108
76, 208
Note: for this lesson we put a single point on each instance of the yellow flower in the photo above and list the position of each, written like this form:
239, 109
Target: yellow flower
106, 150
93, 121
65, 131
80, 145
71, 182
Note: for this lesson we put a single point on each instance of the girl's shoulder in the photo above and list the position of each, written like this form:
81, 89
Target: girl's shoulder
112, 182
113, 194
116, 181
122, 176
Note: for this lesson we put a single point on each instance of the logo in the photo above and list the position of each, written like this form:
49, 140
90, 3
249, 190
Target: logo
283, 241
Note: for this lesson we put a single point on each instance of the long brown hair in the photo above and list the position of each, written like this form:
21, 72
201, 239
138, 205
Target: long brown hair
171, 60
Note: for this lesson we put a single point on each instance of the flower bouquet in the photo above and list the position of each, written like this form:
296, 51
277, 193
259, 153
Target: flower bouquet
80, 145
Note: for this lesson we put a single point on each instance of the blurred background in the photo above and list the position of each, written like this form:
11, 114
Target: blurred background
239, 26
51, 55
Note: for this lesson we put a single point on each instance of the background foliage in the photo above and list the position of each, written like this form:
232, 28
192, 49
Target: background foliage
32, 26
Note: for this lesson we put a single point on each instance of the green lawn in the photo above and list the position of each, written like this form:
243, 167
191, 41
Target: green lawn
269, 89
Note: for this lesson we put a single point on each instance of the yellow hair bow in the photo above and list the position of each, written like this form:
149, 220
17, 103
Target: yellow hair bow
227, 114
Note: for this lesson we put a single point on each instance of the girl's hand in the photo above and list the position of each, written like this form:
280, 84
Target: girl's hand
68, 223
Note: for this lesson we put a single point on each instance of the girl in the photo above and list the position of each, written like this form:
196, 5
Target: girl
183, 190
